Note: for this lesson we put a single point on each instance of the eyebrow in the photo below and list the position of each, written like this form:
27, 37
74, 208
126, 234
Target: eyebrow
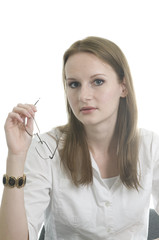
67, 79
98, 74
95, 75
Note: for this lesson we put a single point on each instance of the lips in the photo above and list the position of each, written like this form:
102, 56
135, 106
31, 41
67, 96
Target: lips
89, 108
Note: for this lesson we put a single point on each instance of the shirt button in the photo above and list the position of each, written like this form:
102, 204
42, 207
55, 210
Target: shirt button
107, 204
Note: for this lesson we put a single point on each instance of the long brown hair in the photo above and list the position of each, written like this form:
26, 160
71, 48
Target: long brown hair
75, 154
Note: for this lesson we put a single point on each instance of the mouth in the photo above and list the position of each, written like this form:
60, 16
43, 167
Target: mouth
87, 109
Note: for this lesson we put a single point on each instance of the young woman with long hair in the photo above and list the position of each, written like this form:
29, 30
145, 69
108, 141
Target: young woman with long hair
92, 178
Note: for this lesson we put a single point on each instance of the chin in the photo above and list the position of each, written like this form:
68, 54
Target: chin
89, 123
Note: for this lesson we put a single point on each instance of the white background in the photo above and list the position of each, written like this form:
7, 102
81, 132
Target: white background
35, 34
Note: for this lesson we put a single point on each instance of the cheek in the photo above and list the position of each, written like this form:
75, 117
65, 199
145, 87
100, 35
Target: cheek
72, 99
112, 95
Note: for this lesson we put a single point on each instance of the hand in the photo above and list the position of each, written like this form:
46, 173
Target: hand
17, 126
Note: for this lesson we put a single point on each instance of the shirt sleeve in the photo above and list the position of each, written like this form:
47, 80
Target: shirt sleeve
37, 189
155, 182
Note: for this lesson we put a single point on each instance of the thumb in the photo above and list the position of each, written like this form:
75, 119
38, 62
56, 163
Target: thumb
30, 126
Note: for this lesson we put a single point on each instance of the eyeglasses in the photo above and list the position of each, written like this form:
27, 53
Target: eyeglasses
42, 147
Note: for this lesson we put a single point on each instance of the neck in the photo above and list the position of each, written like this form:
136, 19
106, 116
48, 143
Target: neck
101, 139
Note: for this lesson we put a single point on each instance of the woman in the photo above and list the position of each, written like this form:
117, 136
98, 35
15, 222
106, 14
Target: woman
92, 178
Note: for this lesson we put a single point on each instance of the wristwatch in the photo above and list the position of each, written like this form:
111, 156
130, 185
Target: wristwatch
14, 182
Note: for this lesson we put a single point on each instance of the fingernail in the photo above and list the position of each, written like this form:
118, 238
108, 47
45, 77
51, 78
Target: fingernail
35, 108
28, 115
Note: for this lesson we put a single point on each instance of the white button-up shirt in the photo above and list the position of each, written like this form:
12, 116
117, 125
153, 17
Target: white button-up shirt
93, 212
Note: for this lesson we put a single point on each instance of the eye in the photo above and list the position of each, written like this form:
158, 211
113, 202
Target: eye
98, 82
73, 84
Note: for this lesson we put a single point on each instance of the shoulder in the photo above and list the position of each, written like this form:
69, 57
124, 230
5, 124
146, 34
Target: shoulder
52, 136
45, 141
149, 144
148, 136
43, 147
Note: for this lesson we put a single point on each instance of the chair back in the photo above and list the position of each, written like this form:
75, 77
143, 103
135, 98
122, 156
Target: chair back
153, 225
42, 234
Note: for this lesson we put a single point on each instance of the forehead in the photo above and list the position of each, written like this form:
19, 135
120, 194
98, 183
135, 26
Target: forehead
86, 63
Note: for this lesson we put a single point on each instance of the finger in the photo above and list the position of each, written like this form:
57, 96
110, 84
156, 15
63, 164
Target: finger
15, 116
13, 119
30, 107
29, 126
24, 112
29, 122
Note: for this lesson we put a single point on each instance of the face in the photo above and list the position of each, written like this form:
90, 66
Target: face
93, 89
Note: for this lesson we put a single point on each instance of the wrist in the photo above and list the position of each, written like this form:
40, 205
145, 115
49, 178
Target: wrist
18, 156
15, 165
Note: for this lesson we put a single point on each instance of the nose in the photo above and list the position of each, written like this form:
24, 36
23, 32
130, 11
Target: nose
85, 93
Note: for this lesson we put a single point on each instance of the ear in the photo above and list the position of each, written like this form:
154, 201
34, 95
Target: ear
124, 92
